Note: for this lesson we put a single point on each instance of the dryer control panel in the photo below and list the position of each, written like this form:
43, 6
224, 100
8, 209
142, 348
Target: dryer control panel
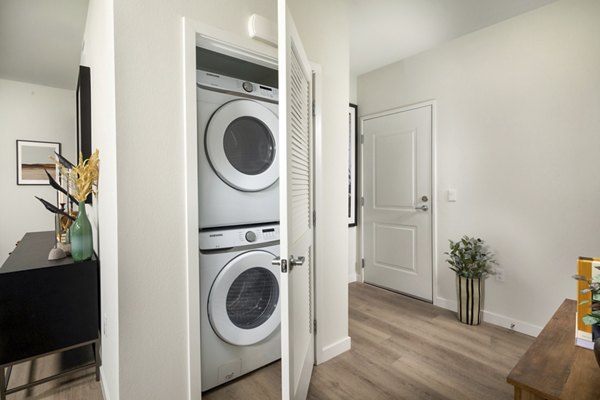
238, 236
225, 84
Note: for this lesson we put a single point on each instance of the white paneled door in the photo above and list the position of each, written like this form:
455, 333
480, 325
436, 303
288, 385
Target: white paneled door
397, 214
296, 203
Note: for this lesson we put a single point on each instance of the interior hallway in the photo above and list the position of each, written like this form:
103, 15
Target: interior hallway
402, 348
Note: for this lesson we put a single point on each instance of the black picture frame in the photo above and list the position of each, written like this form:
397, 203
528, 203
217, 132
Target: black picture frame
84, 114
33, 157
352, 165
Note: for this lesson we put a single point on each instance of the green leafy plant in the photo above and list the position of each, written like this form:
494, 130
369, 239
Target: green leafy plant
470, 258
592, 318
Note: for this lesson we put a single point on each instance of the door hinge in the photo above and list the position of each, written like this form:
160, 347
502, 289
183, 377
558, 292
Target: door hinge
363, 263
314, 218
362, 139
284, 268
362, 201
313, 109
315, 326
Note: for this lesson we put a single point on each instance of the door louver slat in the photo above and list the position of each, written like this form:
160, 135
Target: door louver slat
300, 149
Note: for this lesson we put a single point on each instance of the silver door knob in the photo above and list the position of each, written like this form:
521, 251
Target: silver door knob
424, 207
296, 262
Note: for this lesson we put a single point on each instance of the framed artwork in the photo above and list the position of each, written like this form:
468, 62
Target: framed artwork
84, 117
84, 114
352, 137
33, 159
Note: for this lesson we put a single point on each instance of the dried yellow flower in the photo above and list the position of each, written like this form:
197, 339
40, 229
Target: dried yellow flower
85, 176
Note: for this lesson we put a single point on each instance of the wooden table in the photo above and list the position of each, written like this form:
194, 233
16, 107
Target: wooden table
553, 367
46, 307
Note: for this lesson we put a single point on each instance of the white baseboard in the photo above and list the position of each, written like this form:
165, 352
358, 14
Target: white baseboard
494, 318
105, 395
352, 278
334, 349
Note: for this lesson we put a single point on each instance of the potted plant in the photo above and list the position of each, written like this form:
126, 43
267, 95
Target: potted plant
472, 262
80, 181
593, 317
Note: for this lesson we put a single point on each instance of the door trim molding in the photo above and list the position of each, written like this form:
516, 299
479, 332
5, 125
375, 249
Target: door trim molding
193, 34
434, 219
322, 349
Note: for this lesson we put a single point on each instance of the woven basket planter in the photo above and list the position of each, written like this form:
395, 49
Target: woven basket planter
469, 293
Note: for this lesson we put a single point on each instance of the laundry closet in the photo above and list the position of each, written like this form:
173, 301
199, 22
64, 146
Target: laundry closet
238, 197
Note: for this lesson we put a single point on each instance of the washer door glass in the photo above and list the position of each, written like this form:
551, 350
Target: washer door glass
243, 303
241, 145
252, 298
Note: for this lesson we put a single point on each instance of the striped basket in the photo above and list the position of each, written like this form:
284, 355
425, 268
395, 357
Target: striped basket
469, 292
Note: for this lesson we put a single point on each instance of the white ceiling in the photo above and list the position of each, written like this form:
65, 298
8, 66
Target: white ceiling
386, 31
40, 41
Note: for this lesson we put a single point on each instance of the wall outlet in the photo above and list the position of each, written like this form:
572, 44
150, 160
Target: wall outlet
500, 274
104, 324
452, 195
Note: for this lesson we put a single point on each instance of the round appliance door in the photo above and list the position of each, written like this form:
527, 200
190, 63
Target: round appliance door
241, 145
243, 303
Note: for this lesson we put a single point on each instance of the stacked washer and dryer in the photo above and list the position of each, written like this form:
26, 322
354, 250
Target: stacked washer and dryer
238, 171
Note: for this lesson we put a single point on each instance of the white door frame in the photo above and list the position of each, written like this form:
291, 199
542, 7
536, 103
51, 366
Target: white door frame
195, 33
434, 201
318, 185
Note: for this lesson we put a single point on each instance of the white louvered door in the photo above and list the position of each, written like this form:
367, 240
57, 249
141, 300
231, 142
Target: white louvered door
295, 185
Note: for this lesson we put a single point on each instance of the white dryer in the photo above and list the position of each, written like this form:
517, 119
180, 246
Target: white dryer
238, 156
240, 305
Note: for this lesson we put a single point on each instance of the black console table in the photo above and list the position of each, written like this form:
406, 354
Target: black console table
46, 307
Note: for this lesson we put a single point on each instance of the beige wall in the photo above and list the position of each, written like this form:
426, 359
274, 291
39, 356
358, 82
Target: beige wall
518, 137
30, 112
99, 55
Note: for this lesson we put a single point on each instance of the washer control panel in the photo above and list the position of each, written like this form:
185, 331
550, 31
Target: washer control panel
250, 236
239, 236
248, 87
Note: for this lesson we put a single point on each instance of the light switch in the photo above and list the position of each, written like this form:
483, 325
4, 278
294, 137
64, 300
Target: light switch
452, 195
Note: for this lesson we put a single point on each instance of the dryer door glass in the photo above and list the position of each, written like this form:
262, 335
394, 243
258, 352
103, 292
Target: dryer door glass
249, 145
241, 145
252, 298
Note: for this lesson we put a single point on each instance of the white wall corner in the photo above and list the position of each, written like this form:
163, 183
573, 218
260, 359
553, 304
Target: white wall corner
495, 319
333, 350
352, 277
105, 393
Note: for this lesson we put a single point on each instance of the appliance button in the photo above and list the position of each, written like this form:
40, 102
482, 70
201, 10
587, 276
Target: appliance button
248, 87
250, 236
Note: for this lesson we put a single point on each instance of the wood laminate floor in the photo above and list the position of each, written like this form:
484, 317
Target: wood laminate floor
402, 348
80, 385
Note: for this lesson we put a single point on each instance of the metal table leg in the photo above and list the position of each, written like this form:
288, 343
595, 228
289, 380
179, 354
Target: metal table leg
3, 384
96, 346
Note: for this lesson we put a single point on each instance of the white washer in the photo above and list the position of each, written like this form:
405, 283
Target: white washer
240, 304
238, 157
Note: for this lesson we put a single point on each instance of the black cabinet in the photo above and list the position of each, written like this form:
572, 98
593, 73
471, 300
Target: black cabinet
45, 306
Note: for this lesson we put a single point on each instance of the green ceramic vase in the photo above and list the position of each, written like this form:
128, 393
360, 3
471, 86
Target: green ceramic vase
81, 236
